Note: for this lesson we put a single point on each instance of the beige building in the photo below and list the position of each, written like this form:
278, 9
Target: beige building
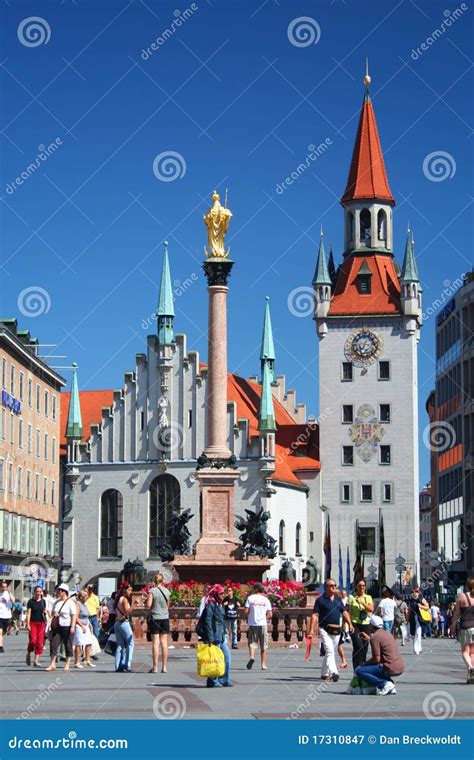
29, 461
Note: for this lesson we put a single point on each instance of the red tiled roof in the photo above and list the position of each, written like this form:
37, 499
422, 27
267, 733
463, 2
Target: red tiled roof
246, 395
91, 411
367, 175
384, 297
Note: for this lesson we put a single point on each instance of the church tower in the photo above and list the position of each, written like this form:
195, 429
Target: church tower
368, 318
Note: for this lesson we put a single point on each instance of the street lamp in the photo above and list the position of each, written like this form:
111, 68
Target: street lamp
400, 567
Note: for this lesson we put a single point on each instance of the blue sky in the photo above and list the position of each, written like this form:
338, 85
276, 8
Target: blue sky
240, 103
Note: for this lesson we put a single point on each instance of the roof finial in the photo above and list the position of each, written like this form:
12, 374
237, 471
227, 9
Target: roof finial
367, 78
321, 234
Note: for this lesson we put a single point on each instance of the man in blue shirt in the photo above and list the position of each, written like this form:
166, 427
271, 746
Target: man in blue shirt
326, 620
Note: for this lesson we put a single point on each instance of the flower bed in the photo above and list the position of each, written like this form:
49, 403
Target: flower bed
282, 594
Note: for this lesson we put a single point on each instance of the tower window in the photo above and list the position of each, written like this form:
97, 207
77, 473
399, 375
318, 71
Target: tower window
387, 492
367, 540
346, 493
382, 227
346, 372
348, 455
384, 370
365, 228
385, 455
364, 285
281, 537
350, 226
190, 418
366, 492
384, 412
347, 413
298, 540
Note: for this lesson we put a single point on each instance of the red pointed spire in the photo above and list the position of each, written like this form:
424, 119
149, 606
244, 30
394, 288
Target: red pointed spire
367, 176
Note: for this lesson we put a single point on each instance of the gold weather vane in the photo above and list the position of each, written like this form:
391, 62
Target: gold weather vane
217, 221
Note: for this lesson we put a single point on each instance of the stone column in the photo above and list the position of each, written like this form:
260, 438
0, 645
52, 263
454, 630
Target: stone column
217, 447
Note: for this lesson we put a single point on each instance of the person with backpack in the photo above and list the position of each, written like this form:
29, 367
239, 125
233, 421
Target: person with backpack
231, 607
211, 628
462, 623
157, 603
36, 616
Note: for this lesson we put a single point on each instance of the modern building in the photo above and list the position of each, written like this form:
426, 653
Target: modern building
426, 546
130, 455
29, 461
368, 317
452, 433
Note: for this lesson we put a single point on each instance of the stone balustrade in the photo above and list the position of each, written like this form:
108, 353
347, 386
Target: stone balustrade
286, 626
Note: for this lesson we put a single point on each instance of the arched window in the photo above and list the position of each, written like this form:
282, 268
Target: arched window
281, 536
365, 227
350, 226
298, 539
165, 497
382, 227
111, 517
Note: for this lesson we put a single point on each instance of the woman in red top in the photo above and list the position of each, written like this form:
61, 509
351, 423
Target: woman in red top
36, 625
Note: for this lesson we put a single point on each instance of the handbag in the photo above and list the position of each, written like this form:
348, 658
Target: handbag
111, 645
425, 615
95, 646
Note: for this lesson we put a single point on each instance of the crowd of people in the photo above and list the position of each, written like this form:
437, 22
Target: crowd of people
77, 624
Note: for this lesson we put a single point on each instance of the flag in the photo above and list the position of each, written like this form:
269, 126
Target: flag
358, 564
348, 573
381, 573
341, 574
327, 549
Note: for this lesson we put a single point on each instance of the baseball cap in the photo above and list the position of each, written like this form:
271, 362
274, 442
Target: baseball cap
376, 621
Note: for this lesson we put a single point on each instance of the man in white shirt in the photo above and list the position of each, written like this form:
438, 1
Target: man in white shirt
434, 619
386, 609
6, 606
259, 610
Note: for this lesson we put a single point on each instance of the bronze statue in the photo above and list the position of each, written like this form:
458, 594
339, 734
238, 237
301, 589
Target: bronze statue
178, 536
255, 539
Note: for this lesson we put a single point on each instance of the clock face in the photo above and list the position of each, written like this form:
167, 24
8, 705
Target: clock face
363, 347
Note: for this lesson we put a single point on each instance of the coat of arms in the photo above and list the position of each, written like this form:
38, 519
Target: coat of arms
366, 432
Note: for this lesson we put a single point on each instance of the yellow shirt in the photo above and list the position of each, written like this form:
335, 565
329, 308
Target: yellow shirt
93, 604
355, 608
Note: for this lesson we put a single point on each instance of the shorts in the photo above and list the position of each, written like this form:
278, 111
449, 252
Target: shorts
466, 636
5, 623
62, 635
155, 625
258, 636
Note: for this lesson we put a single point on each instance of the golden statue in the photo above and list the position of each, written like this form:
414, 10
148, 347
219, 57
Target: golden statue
217, 221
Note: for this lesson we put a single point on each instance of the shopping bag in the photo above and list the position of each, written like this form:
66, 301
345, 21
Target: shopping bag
210, 661
95, 646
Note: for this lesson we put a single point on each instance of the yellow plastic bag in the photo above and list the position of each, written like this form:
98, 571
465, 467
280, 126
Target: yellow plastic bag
210, 661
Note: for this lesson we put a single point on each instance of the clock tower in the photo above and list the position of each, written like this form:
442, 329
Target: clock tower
368, 318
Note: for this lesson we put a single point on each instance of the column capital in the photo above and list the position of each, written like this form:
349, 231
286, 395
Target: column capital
217, 271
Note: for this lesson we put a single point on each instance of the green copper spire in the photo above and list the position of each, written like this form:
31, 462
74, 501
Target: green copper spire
267, 350
266, 418
165, 303
321, 275
74, 419
409, 271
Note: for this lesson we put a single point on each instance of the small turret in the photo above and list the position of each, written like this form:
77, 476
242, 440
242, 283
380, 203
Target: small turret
410, 288
322, 285
267, 350
74, 420
165, 304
